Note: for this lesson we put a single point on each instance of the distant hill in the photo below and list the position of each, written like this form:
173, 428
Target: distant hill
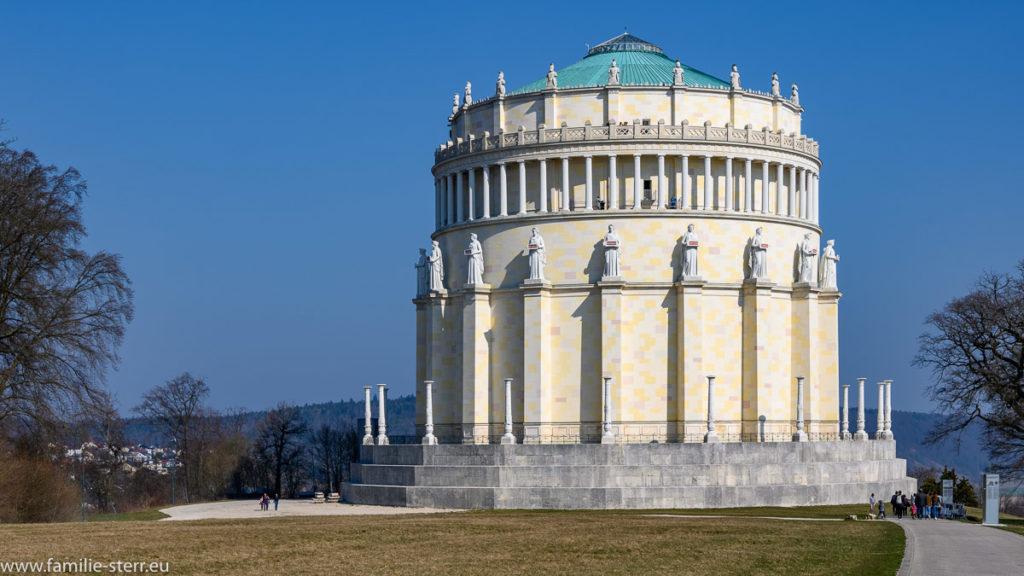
910, 429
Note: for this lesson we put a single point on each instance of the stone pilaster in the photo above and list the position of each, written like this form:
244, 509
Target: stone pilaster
436, 309
550, 107
536, 360
422, 335
476, 322
758, 333
690, 387
806, 352
613, 348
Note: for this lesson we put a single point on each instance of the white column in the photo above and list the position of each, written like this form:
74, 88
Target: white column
588, 203
368, 419
861, 433
503, 190
801, 435
779, 177
748, 198
429, 438
880, 432
522, 187
792, 191
845, 430
685, 200
460, 215
728, 184
437, 203
470, 185
804, 197
711, 435
814, 191
765, 176
638, 186
451, 199
662, 184
613, 182
543, 185
606, 413
565, 184
486, 191
509, 437
888, 410
382, 427
709, 203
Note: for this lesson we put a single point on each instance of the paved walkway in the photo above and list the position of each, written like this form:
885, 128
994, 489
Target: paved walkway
945, 547
251, 509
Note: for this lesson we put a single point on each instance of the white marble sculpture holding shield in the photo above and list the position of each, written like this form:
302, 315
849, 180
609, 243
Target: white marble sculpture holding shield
808, 260
827, 267
689, 256
436, 264
758, 258
612, 246
538, 257
474, 261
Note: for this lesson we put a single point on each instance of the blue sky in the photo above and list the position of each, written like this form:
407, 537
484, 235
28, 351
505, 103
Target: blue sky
264, 167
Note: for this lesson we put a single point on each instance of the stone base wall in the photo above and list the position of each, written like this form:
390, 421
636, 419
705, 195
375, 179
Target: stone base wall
627, 476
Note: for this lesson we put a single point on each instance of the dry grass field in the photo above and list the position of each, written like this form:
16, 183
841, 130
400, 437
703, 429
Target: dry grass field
484, 542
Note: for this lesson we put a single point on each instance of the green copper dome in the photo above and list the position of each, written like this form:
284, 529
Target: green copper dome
640, 63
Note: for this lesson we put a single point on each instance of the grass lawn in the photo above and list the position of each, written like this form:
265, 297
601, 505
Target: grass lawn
489, 542
139, 515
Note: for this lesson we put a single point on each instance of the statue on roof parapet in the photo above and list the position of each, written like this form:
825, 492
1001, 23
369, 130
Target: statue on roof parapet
776, 91
499, 87
613, 74
469, 95
734, 78
795, 98
677, 75
552, 82
455, 104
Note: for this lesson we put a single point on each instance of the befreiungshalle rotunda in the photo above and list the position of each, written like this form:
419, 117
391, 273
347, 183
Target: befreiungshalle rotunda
627, 302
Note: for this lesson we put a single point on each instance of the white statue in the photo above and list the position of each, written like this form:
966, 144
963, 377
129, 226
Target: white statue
808, 258
552, 77
455, 104
795, 98
689, 255
469, 94
758, 255
827, 267
538, 257
613, 74
612, 245
499, 88
734, 78
474, 262
775, 86
422, 273
436, 264
677, 75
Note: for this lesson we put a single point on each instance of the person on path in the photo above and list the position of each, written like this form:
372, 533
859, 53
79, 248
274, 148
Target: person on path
895, 502
276, 498
871, 504
881, 508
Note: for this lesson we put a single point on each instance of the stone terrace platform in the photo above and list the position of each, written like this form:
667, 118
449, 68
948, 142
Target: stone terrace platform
627, 476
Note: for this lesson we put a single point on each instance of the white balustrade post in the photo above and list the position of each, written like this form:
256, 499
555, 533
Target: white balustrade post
662, 183
792, 191
711, 436
522, 187
638, 186
606, 419
685, 200
368, 420
509, 437
470, 185
613, 182
845, 431
429, 438
748, 185
861, 432
800, 435
565, 185
728, 184
888, 410
588, 203
765, 176
503, 189
880, 431
543, 185
451, 199
382, 426
709, 203
460, 215
486, 192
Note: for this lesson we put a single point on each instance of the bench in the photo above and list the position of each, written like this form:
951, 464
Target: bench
318, 498
333, 498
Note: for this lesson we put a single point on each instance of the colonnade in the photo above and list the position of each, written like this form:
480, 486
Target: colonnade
796, 188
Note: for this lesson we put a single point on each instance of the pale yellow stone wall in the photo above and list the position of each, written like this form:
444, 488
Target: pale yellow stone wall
482, 120
577, 108
525, 111
703, 107
651, 105
754, 111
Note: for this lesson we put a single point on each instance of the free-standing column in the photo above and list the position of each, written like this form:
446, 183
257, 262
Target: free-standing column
801, 435
588, 203
711, 435
565, 185
470, 185
685, 164
748, 184
728, 184
451, 199
888, 410
437, 203
613, 183
709, 203
780, 172
814, 191
486, 192
606, 413
792, 191
803, 195
382, 426
460, 215
508, 438
368, 419
503, 190
845, 431
637, 182
429, 438
880, 430
861, 433
765, 174
522, 187
662, 184
543, 185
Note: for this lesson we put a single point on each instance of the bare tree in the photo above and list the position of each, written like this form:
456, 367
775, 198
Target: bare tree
279, 443
333, 450
976, 352
63, 310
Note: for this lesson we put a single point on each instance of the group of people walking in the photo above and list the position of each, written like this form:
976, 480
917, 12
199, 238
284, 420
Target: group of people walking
265, 502
920, 505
